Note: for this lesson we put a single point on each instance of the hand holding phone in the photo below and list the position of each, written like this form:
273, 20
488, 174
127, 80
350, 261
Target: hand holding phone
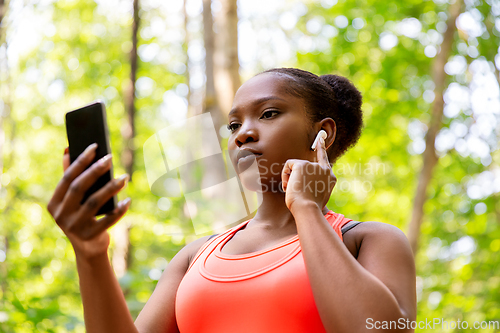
85, 126
76, 216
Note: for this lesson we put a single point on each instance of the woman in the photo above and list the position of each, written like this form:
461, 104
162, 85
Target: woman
289, 269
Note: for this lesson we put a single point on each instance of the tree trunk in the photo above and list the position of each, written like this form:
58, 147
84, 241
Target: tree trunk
211, 103
128, 130
430, 158
227, 75
121, 252
212, 174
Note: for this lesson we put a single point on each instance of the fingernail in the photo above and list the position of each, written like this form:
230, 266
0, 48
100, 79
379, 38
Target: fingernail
122, 179
124, 204
90, 148
66, 150
105, 160
121, 205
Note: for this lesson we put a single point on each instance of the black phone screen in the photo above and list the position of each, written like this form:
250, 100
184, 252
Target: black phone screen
85, 126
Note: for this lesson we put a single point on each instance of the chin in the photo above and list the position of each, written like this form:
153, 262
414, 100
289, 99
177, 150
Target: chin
256, 177
260, 185
250, 178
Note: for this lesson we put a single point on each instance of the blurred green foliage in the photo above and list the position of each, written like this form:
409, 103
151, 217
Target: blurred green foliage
84, 56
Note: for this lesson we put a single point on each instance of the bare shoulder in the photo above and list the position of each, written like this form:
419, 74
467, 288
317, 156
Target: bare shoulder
384, 251
371, 234
192, 248
372, 228
384, 235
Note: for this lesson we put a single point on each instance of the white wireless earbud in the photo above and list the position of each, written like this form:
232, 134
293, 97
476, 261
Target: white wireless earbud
321, 134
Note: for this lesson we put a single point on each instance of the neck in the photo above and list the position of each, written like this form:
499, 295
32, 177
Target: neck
273, 212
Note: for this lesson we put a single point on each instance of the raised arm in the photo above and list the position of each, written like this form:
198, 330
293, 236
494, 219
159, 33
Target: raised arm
364, 294
105, 308
351, 295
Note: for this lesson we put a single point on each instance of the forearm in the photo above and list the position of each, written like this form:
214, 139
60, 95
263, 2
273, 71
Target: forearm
345, 293
105, 309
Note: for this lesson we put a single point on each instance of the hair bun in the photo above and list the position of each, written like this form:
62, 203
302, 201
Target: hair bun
345, 92
349, 102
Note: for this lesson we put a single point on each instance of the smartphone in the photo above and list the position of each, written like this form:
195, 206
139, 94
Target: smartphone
85, 126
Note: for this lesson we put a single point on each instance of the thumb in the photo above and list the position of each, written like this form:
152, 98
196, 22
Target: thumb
66, 161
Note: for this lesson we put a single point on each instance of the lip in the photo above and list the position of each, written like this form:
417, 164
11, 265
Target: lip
245, 152
245, 158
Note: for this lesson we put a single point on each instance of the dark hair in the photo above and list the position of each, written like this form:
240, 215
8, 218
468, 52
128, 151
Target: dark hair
326, 96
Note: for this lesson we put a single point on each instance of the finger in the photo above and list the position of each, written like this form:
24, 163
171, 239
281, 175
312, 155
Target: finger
75, 169
99, 198
322, 154
85, 180
286, 172
107, 221
334, 179
66, 161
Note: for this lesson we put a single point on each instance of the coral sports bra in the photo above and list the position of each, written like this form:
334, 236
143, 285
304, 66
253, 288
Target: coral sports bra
263, 291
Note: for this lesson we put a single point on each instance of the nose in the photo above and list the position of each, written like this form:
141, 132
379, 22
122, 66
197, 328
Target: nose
246, 133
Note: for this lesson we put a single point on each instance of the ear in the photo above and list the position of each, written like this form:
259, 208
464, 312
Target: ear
329, 126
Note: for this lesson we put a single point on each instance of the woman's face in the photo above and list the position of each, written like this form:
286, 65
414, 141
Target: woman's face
272, 125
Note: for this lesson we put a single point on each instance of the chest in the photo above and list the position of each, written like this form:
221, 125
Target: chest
263, 291
249, 241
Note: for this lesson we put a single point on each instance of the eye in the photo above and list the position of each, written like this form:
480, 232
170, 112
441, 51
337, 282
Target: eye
232, 127
270, 113
267, 114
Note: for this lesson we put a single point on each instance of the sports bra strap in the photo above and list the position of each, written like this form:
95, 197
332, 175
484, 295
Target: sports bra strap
348, 227
344, 229
209, 238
